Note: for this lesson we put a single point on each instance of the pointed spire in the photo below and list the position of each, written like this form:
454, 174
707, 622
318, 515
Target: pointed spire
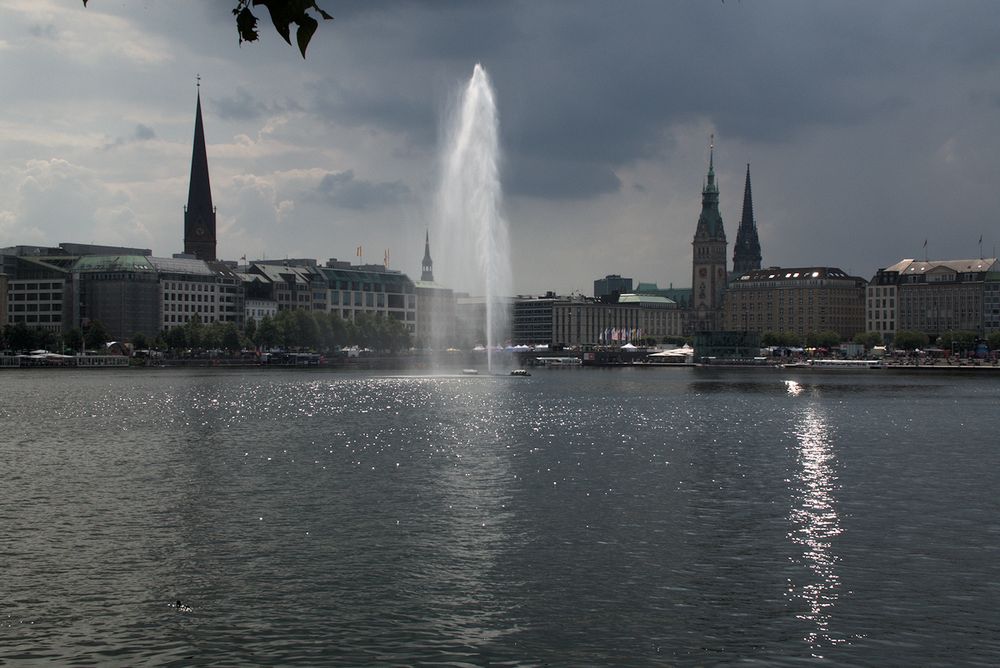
427, 266
746, 250
200, 189
199, 215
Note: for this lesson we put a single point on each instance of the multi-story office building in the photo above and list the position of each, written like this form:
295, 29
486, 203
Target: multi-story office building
610, 285
37, 282
3, 299
799, 300
369, 288
582, 321
934, 296
991, 303
531, 319
122, 292
191, 287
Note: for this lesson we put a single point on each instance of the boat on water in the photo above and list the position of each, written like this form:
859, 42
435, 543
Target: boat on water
520, 372
558, 361
835, 364
470, 372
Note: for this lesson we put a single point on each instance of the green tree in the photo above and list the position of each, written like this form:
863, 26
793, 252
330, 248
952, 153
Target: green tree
267, 333
960, 341
868, 339
338, 330
250, 329
910, 340
229, 337
195, 332
993, 340
176, 338
284, 13
139, 341
73, 339
95, 335
306, 328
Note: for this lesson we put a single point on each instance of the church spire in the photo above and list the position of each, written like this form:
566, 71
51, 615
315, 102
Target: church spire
427, 266
746, 251
199, 215
710, 220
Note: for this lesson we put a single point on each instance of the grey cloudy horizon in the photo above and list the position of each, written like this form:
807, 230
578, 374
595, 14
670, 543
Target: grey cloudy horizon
869, 127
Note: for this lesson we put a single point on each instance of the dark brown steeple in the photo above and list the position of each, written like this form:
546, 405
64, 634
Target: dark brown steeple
746, 251
199, 214
427, 266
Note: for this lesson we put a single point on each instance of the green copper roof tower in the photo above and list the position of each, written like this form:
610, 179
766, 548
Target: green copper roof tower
708, 265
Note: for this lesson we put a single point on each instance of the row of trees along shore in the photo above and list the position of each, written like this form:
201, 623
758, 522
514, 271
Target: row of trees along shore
289, 330
315, 330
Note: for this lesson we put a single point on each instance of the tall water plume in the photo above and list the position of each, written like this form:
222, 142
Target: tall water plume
471, 227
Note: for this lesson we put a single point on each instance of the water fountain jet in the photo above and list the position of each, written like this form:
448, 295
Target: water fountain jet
470, 217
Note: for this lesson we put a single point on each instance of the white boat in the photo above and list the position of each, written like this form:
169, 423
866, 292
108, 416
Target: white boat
835, 364
470, 372
558, 361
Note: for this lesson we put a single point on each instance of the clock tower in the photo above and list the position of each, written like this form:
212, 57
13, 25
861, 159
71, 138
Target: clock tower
199, 214
709, 273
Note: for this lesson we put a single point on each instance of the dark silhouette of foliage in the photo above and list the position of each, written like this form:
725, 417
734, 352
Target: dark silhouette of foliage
284, 13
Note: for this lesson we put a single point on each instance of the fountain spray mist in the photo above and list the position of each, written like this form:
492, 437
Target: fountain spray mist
472, 228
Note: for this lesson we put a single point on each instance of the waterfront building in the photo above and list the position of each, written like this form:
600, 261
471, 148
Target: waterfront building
122, 292
3, 299
680, 296
746, 250
288, 283
369, 288
935, 296
708, 271
581, 321
799, 300
991, 303
435, 324
612, 285
470, 320
36, 285
188, 288
199, 214
531, 319
258, 309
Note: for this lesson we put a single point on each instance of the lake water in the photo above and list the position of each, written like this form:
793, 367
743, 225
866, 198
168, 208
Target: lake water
576, 517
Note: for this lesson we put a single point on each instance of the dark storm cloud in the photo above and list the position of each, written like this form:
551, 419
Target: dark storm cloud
585, 88
559, 180
341, 189
243, 106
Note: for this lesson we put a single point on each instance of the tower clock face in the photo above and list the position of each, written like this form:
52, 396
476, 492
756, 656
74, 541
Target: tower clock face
200, 231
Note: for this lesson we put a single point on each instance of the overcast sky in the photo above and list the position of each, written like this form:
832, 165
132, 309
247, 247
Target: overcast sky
869, 126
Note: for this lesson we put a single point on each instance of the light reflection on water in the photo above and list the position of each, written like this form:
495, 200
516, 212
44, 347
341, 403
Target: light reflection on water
620, 517
815, 522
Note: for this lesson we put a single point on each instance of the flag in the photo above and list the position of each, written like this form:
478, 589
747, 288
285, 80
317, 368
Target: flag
980, 240
385, 261
358, 251
243, 257
925, 243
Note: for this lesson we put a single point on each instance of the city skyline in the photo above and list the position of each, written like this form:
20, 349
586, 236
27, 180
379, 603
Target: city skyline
863, 141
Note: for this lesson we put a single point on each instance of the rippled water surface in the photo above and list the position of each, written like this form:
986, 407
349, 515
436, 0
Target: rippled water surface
576, 517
